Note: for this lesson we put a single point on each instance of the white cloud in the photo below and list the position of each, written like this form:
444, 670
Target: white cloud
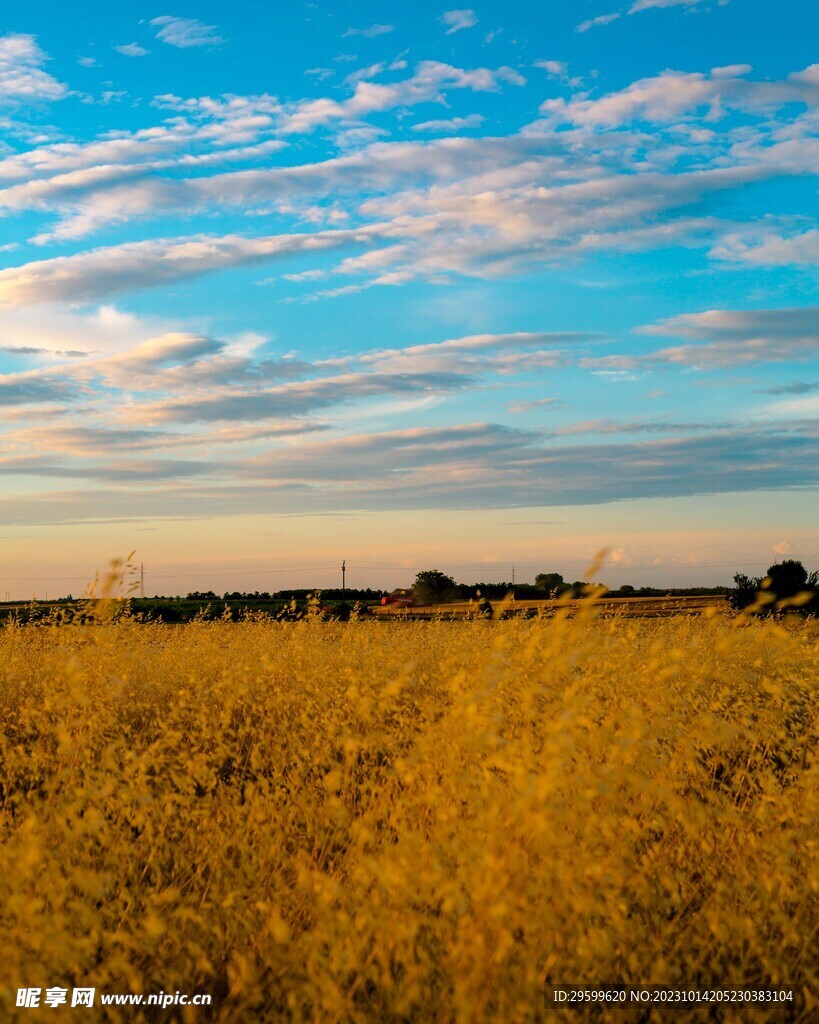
196, 381
177, 347
486, 225
535, 403
287, 400
769, 249
492, 230
740, 337
601, 19
185, 32
428, 84
458, 19
478, 354
45, 331
371, 71
645, 5
102, 272
218, 124
472, 465
558, 70
794, 408
553, 68
368, 33
451, 124
484, 207
672, 95
22, 78
490, 205
131, 50
107, 193
358, 137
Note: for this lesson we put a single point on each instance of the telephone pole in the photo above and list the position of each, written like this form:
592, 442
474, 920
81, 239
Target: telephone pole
343, 577
141, 580
513, 575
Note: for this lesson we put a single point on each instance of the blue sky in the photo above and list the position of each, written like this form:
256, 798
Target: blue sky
362, 270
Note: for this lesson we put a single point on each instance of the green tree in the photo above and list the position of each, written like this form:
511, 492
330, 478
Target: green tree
432, 586
745, 590
790, 577
783, 580
548, 580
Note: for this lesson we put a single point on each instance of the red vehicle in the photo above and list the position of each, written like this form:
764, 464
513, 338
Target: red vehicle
401, 600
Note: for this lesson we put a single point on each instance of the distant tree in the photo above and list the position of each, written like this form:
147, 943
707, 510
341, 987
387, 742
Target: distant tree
627, 589
548, 580
745, 590
432, 585
790, 577
783, 580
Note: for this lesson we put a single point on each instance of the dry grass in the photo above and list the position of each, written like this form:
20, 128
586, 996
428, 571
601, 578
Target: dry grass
412, 822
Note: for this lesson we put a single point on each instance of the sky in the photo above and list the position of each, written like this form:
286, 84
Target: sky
472, 288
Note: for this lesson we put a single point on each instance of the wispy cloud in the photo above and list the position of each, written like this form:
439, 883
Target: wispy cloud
369, 33
675, 94
766, 247
476, 465
798, 387
642, 5
22, 75
739, 337
451, 124
465, 228
214, 393
185, 33
292, 399
428, 84
601, 19
645, 5
131, 50
377, 179
457, 20
534, 403
553, 68
103, 272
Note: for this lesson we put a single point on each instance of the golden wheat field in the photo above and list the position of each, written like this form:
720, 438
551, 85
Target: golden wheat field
409, 822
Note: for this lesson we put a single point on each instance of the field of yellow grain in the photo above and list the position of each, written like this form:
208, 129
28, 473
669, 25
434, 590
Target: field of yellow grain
408, 822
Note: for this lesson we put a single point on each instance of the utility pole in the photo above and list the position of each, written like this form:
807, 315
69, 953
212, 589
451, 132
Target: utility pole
343, 577
141, 580
513, 575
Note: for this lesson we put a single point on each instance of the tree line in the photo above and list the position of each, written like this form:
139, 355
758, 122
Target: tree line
785, 585
434, 587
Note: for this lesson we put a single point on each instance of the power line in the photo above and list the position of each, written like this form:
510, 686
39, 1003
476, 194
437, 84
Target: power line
243, 572
189, 572
578, 561
381, 566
